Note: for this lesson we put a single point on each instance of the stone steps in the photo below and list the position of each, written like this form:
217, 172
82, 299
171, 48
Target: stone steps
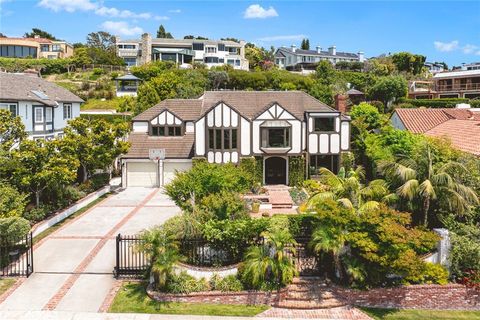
309, 293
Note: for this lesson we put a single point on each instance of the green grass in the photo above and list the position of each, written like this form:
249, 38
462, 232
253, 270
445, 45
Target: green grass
396, 314
98, 104
132, 298
53, 228
5, 284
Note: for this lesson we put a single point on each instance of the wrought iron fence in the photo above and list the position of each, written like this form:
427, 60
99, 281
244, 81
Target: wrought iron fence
133, 262
130, 261
16, 257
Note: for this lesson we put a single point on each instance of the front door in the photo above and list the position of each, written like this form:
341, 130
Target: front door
275, 170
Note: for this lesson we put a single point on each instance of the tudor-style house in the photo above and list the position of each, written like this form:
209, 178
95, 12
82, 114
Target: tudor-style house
44, 107
225, 126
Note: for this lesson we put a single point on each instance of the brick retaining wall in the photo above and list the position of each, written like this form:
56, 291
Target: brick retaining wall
452, 296
218, 297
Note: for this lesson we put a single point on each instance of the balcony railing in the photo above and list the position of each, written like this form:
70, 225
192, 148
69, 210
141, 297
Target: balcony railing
458, 87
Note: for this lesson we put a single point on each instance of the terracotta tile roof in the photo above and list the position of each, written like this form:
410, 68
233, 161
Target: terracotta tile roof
15, 87
464, 134
421, 120
250, 103
175, 147
186, 109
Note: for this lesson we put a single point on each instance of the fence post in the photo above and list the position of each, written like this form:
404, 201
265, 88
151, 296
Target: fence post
117, 251
30, 269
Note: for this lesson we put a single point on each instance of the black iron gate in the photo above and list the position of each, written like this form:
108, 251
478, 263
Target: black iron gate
130, 261
16, 257
306, 261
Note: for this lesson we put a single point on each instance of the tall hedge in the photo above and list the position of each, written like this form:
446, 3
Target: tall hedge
296, 170
435, 103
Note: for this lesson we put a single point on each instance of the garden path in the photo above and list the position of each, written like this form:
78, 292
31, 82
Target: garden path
73, 265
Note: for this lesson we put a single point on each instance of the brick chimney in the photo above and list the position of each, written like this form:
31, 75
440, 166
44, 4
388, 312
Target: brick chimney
341, 103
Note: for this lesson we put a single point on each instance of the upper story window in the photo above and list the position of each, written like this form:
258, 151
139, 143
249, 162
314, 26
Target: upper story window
166, 131
275, 137
221, 47
232, 50
222, 139
211, 49
323, 124
67, 111
44, 48
56, 48
198, 46
12, 107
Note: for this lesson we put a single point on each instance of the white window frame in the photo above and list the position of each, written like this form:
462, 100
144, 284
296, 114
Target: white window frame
8, 106
48, 114
35, 113
67, 111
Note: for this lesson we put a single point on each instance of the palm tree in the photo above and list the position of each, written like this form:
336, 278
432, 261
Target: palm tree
347, 189
163, 252
271, 261
426, 181
330, 240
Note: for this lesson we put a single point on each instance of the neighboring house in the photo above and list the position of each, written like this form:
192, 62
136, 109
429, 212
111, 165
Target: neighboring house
43, 106
225, 126
34, 48
460, 126
298, 59
471, 66
434, 67
450, 84
182, 51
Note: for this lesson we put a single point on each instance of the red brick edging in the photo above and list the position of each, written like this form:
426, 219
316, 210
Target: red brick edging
10, 290
68, 284
107, 302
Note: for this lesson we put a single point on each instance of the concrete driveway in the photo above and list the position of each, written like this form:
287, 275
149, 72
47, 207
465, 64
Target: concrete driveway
73, 266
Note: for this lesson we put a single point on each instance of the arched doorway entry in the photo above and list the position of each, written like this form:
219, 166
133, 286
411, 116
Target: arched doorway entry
275, 170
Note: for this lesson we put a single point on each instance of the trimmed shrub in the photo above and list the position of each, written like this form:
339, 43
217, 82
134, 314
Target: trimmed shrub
434, 103
227, 284
185, 283
37, 214
296, 170
13, 228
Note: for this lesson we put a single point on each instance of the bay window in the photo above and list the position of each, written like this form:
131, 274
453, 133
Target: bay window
275, 137
324, 124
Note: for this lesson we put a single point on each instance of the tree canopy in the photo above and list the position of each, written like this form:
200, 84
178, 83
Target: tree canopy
41, 33
162, 33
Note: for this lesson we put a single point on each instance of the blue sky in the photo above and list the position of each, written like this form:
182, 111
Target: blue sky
443, 31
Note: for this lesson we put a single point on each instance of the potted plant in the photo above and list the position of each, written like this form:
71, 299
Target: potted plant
255, 207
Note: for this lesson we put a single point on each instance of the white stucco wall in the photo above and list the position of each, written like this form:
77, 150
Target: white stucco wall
140, 126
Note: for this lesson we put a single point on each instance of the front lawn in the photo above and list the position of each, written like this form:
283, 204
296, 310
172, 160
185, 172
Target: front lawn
5, 284
396, 314
132, 298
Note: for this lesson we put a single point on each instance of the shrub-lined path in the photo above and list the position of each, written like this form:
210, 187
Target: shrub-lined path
73, 265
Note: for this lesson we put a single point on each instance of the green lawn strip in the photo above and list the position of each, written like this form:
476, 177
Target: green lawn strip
5, 284
132, 298
50, 230
400, 314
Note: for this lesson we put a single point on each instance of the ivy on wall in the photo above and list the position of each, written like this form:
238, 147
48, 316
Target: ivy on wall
296, 170
253, 166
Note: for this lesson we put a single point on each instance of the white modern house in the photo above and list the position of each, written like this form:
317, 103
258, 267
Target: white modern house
182, 51
226, 126
297, 59
43, 106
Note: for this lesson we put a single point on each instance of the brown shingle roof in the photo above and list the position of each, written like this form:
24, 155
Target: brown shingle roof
464, 134
20, 86
186, 109
421, 120
250, 103
175, 147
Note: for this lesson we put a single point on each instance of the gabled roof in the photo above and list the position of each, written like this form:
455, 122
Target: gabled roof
186, 109
250, 103
175, 147
16, 87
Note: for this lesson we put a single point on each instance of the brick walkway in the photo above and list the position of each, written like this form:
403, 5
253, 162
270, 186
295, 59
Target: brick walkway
343, 313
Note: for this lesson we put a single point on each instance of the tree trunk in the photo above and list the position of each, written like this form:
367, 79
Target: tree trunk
85, 173
37, 198
426, 208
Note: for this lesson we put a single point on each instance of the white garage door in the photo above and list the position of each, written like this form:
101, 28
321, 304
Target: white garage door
170, 168
141, 174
